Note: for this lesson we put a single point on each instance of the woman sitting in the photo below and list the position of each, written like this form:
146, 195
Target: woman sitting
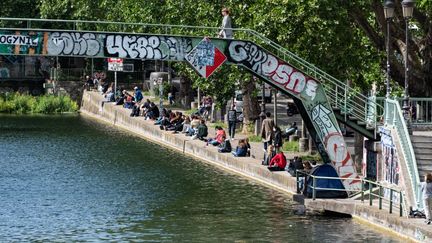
241, 149
220, 137
268, 155
278, 162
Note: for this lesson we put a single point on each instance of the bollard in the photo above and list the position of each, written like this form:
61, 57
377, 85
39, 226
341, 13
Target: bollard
391, 201
380, 197
400, 204
314, 191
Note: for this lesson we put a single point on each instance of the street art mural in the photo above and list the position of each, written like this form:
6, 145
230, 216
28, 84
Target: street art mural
391, 167
312, 95
244, 53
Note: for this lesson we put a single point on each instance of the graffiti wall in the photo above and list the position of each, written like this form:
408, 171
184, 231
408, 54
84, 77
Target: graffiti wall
245, 53
309, 91
95, 45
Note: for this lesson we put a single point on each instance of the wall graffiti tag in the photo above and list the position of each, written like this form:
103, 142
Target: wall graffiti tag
18, 40
80, 44
147, 47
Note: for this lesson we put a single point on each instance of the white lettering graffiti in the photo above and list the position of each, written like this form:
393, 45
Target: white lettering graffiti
320, 115
18, 40
74, 44
148, 47
267, 65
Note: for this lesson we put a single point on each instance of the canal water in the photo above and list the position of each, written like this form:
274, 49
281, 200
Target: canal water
67, 178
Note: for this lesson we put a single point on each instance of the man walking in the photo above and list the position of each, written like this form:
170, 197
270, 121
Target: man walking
226, 28
267, 133
232, 119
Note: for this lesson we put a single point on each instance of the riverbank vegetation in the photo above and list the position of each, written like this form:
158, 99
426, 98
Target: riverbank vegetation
46, 104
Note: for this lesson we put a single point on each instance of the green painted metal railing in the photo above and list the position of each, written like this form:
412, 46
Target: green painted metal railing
394, 118
394, 197
350, 102
423, 109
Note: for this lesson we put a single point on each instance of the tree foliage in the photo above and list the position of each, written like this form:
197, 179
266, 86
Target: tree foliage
344, 38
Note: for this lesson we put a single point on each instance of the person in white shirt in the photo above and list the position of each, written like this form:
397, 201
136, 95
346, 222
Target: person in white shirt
427, 196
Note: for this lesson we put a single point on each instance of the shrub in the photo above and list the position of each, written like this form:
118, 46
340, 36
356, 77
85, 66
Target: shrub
255, 138
22, 103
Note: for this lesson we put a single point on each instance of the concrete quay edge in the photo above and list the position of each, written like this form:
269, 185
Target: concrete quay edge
250, 168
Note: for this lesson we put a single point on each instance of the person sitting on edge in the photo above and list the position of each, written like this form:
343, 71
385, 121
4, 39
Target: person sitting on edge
202, 131
278, 162
268, 155
220, 137
194, 126
225, 147
186, 124
137, 95
248, 152
128, 102
241, 149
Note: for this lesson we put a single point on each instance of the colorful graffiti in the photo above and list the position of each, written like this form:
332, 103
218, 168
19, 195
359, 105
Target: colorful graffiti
282, 75
147, 47
391, 167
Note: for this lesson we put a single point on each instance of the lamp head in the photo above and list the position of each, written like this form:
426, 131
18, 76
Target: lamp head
408, 8
389, 7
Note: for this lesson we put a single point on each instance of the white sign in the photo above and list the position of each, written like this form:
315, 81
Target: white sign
115, 64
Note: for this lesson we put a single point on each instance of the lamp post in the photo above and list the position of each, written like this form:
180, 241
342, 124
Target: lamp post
388, 14
408, 9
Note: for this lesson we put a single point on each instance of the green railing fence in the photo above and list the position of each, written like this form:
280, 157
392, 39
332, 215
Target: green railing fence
351, 102
394, 118
370, 190
421, 109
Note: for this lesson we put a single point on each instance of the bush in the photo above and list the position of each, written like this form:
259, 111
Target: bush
47, 104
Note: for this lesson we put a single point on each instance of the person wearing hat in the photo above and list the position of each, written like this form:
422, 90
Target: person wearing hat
226, 28
138, 96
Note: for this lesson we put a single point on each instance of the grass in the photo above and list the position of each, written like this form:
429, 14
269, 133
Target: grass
254, 138
315, 157
218, 123
291, 146
47, 104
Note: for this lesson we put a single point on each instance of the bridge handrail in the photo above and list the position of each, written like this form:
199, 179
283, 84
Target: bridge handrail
399, 204
331, 84
394, 117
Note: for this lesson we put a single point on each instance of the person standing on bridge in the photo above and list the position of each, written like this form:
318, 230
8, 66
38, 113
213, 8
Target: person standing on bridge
226, 28
427, 196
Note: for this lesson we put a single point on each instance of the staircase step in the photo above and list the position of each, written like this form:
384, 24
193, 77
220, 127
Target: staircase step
421, 139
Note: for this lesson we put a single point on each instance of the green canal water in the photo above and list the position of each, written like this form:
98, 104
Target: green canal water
68, 179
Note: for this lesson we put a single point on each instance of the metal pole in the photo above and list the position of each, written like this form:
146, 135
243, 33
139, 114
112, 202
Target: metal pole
297, 181
380, 197
362, 191
275, 107
406, 107
370, 194
115, 85
161, 95
388, 60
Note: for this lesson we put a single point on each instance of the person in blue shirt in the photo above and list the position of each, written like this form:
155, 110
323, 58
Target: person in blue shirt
241, 149
138, 96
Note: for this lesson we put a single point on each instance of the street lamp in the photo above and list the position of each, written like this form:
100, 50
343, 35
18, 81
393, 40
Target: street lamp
388, 14
408, 9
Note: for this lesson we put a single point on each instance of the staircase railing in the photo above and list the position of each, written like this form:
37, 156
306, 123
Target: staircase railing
350, 102
394, 117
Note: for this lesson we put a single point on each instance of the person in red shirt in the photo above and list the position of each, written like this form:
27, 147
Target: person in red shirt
278, 162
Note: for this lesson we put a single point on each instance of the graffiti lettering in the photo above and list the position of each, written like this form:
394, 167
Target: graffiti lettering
18, 40
147, 47
267, 65
74, 44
